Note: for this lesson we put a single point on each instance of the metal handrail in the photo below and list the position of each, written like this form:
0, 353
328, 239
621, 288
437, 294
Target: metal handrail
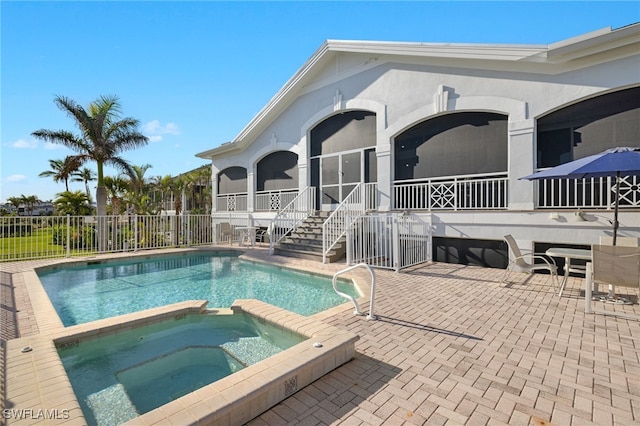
371, 315
292, 215
356, 203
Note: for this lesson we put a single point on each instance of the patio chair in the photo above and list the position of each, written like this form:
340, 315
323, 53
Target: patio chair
225, 230
614, 265
526, 262
262, 234
620, 241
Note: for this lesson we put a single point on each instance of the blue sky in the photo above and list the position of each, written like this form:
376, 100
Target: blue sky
195, 73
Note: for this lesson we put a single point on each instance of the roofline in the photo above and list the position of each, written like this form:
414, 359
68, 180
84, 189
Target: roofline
554, 53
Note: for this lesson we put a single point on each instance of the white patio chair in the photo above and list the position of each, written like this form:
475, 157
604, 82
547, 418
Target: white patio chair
614, 265
620, 241
526, 262
225, 230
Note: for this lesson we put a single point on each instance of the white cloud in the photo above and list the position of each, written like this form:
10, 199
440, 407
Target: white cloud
16, 178
154, 130
23, 143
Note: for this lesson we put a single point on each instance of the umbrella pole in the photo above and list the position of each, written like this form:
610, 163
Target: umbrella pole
615, 211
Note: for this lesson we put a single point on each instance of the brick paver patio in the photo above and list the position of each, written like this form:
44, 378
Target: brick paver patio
454, 345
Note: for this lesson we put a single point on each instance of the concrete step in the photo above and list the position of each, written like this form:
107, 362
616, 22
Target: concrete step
304, 254
305, 242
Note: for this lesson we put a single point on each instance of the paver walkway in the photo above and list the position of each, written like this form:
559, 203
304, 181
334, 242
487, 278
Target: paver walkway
453, 345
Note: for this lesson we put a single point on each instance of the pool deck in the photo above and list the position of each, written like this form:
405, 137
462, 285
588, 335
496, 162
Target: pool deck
452, 345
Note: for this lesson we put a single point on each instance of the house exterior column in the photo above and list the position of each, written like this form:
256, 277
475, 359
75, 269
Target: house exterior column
251, 190
522, 145
384, 177
214, 188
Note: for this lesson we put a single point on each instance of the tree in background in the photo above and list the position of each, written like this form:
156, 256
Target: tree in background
117, 188
74, 203
139, 196
29, 202
15, 202
85, 175
62, 170
103, 137
197, 185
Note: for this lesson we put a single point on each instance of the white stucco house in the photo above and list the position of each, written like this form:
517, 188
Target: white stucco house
444, 132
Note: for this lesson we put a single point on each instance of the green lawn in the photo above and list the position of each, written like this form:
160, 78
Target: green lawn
38, 245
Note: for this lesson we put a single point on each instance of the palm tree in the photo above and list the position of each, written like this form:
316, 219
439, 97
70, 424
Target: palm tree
29, 202
177, 186
15, 202
85, 175
102, 139
72, 203
116, 188
62, 170
163, 184
140, 185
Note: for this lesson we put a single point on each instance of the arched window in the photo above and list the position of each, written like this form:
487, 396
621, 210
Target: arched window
232, 180
453, 144
278, 170
589, 127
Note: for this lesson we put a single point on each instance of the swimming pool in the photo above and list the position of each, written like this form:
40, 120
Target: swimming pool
119, 376
92, 291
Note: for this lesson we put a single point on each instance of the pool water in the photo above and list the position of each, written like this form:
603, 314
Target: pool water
90, 292
120, 376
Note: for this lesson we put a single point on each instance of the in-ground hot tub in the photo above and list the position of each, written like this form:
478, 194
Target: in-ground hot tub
191, 364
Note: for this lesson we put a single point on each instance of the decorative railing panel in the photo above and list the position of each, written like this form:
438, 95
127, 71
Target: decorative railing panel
274, 201
231, 202
466, 192
588, 192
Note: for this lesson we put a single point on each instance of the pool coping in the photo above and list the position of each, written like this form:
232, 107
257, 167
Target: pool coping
38, 384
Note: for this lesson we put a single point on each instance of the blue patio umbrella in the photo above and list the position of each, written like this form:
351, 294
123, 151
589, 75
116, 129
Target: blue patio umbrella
621, 161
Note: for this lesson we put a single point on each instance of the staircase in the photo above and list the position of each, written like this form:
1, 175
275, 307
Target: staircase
305, 242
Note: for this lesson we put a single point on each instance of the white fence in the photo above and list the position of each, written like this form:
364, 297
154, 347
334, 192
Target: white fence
38, 237
481, 191
362, 198
389, 240
588, 193
227, 226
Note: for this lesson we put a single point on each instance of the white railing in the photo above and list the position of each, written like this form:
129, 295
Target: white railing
371, 315
389, 240
479, 191
269, 201
38, 237
225, 226
588, 192
292, 215
231, 202
362, 198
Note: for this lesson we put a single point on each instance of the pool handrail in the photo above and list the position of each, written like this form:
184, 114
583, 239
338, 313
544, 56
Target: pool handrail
371, 315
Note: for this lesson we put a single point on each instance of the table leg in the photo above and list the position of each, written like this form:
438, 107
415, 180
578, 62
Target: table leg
567, 266
588, 287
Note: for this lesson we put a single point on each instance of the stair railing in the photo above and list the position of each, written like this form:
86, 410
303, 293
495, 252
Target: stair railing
364, 197
292, 215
